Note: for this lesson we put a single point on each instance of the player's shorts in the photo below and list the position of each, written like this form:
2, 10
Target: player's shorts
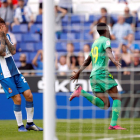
14, 85
100, 83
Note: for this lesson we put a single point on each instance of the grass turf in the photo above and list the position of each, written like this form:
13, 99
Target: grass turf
74, 130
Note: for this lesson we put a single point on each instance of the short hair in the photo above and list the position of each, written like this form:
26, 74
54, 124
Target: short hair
2, 21
103, 8
102, 28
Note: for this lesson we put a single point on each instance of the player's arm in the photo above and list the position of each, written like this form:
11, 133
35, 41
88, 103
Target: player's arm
85, 64
111, 57
10, 46
2, 44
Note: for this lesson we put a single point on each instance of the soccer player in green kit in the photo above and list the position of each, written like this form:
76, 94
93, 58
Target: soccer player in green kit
100, 79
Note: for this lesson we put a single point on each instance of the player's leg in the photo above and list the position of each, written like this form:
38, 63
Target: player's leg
11, 91
23, 87
116, 107
100, 100
30, 111
17, 111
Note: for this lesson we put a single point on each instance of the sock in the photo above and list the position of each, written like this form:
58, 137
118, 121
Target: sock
18, 114
115, 112
94, 100
30, 112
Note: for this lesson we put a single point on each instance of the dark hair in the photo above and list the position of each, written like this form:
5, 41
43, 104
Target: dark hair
2, 21
75, 59
103, 8
102, 28
102, 18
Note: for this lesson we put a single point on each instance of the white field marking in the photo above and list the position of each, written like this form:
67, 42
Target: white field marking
133, 136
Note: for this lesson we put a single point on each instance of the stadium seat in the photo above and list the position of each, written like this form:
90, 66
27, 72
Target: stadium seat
18, 64
77, 18
68, 36
65, 19
85, 36
31, 37
115, 17
23, 28
17, 56
137, 35
27, 47
67, 28
38, 46
61, 47
76, 46
93, 18
32, 55
39, 19
36, 28
138, 25
114, 44
76, 27
19, 37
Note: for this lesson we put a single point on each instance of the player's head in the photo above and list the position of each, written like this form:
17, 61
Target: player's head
70, 48
2, 25
103, 11
21, 3
4, 3
121, 19
86, 48
103, 30
124, 48
22, 58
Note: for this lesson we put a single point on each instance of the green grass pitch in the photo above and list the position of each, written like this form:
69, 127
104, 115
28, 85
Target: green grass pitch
86, 129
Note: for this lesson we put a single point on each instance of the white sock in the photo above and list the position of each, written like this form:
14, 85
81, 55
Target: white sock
18, 116
30, 114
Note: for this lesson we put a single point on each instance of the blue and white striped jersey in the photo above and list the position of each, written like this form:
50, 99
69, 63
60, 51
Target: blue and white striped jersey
7, 64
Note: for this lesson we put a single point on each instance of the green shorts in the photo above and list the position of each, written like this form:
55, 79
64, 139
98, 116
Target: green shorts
100, 83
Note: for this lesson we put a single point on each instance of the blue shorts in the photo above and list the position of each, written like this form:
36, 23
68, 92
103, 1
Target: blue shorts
14, 85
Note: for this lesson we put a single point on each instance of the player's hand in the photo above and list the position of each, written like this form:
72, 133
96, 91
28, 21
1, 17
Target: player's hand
75, 76
117, 64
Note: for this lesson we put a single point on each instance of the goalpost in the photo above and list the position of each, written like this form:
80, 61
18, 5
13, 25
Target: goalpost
48, 70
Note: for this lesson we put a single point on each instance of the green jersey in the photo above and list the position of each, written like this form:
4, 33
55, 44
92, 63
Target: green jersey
98, 55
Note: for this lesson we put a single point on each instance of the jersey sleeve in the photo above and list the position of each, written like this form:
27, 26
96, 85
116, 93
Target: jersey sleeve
107, 44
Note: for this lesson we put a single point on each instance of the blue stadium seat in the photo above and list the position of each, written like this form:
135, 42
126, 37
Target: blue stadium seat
31, 37
27, 47
93, 18
39, 19
68, 36
23, 28
19, 37
61, 47
76, 27
137, 35
67, 29
38, 46
17, 56
87, 26
138, 25
114, 44
115, 17
77, 46
77, 18
136, 46
36, 28
85, 36
32, 55
18, 64
65, 19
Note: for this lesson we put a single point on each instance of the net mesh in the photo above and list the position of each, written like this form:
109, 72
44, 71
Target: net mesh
79, 119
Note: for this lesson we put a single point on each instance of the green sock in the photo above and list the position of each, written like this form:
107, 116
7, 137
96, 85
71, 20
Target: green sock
94, 100
115, 112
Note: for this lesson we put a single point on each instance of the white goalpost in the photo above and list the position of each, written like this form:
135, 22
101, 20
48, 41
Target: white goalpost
48, 70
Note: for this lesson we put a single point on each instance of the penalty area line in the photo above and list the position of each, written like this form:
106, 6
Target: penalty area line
131, 136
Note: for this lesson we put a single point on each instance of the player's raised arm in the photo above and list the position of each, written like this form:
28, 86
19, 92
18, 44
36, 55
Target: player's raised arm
2, 44
111, 57
85, 64
11, 46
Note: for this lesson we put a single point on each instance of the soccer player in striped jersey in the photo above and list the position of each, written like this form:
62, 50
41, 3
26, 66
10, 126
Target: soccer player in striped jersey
101, 80
13, 81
